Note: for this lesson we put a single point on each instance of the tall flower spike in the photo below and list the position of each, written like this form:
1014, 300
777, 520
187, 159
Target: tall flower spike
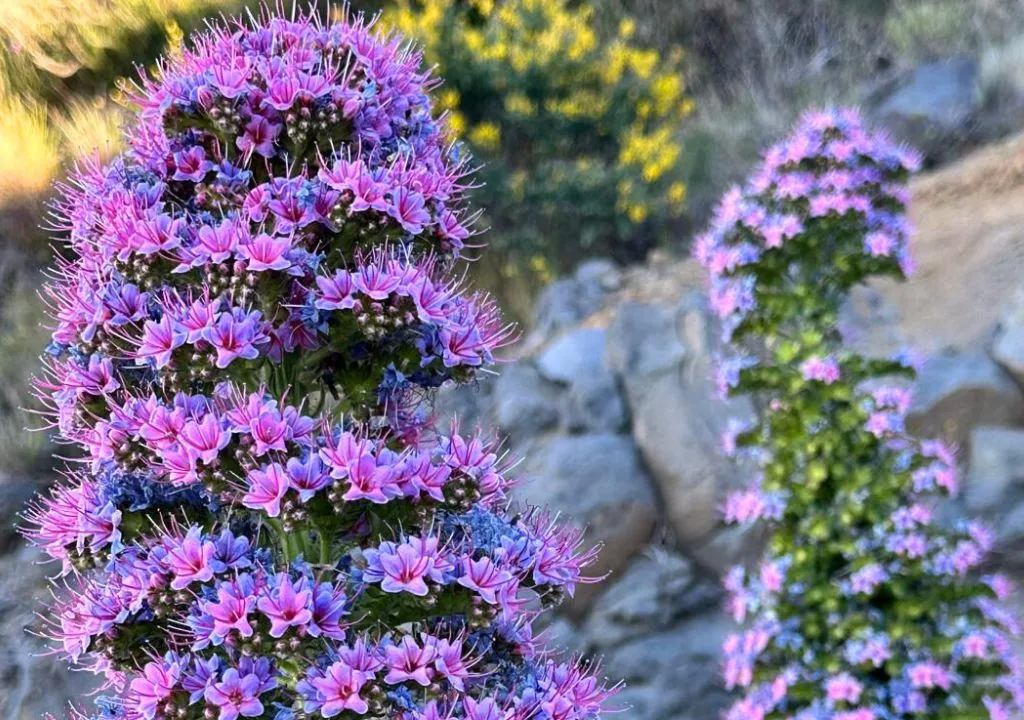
258, 301
863, 608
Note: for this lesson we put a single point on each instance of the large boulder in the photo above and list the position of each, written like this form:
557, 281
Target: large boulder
565, 302
525, 404
1008, 339
573, 355
599, 482
674, 674
957, 392
994, 486
678, 419
935, 107
655, 592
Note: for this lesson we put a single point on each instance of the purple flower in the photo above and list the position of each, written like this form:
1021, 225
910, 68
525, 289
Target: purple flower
235, 695
267, 488
191, 560
160, 340
235, 335
285, 606
821, 369
259, 137
339, 690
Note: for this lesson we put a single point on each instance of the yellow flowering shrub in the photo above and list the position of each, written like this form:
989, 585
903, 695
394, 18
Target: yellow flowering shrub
577, 133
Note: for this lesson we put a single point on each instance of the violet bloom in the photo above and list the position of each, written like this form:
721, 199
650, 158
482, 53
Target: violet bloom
339, 690
159, 679
824, 370
160, 340
267, 487
409, 661
191, 164
285, 605
266, 252
235, 335
259, 137
483, 577
307, 477
191, 560
235, 695
843, 688
231, 611
408, 208
204, 439
400, 568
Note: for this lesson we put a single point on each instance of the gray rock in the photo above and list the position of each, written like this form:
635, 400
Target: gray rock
597, 481
565, 302
677, 418
573, 355
642, 341
994, 483
657, 590
525, 405
31, 684
15, 492
594, 404
936, 106
957, 392
674, 674
468, 405
600, 272
1008, 339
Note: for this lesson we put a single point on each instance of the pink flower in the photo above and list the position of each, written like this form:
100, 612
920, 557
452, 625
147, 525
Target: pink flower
408, 209
400, 568
821, 369
190, 560
204, 439
259, 137
266, 252
267, 488
285, 606
340, 690
843, 688
235, 695
483, 576
160, 340
159, 679
409, 661
234, 335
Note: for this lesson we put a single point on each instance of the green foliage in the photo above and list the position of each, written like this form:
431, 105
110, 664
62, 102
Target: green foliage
577, 132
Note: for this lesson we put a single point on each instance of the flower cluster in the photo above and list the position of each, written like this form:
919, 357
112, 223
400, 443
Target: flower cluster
254, 309
864, 605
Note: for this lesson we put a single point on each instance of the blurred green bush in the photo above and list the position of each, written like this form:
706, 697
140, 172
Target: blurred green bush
577, 130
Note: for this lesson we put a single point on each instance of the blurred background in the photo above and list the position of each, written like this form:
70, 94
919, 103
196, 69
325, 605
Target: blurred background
606, 130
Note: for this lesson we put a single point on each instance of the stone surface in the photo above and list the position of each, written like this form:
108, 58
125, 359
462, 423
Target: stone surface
657, 590
936, 105
31, 684
525, 404
994, 485
1008, 338
565, 302
597, 481
673, 674
594, 404
573, 355
677, 419
957, 392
